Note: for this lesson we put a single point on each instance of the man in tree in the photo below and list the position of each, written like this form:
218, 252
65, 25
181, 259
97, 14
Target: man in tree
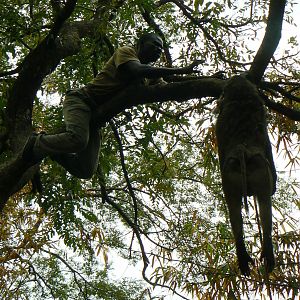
77, 148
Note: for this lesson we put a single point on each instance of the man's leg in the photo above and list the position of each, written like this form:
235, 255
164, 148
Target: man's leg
77, 117
77, 148
84, 163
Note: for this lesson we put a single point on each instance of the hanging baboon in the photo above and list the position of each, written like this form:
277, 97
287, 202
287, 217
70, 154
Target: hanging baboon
246, 163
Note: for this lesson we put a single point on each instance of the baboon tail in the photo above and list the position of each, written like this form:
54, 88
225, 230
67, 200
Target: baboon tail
242, 159
269, 176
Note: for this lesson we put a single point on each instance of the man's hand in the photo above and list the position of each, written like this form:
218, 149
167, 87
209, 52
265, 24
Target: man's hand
191, 68
219, 75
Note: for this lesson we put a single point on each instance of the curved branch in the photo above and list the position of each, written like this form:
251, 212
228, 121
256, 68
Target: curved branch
282, 109
275, 86
75, 272
133, 226
270, 40
36, 66
199, 22
10, 72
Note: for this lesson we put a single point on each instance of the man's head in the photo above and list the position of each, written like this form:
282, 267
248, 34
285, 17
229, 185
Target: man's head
149, 48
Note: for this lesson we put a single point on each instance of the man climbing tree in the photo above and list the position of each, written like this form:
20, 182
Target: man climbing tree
77, 149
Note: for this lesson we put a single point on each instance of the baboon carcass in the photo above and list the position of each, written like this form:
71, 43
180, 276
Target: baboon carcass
246, 163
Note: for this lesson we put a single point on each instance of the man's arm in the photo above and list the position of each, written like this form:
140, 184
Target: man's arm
134, 70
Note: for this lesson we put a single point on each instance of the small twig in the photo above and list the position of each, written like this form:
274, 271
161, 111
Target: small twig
151, 22
126, 175
72, 270
133, 226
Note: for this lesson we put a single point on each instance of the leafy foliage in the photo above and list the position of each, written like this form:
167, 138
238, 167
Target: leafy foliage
158, 162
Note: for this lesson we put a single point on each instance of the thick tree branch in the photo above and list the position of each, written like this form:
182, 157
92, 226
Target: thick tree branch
130, 97
13, 176
62, 16
270, 41
35, 67
63, 40
179, 91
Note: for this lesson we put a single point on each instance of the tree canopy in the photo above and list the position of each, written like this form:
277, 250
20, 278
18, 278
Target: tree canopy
156, 197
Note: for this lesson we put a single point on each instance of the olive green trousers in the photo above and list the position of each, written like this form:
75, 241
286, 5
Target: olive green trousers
76, 149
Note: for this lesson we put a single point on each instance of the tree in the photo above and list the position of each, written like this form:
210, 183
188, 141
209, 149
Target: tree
158, 171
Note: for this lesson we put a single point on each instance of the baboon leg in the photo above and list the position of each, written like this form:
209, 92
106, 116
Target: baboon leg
262, 180
265, 211
233, 187
234, 203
